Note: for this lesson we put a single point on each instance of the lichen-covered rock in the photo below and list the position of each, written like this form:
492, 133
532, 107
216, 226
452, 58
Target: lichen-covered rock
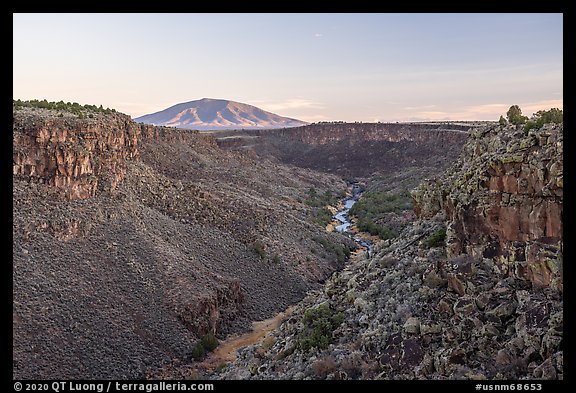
503, 200
493, 329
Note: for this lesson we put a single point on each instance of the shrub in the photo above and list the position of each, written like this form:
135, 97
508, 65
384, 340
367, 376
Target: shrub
61, 106
437, 239
198, 351
209, 342
540, 118
322, 216
318, 201
366, 225
341, 251
319, 325
372, 208
514, 115
324, 366
258, 248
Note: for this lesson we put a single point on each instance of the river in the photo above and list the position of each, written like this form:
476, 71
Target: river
346, 225
226, 351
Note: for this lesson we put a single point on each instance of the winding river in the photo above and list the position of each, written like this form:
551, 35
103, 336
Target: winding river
226, 351
345, 226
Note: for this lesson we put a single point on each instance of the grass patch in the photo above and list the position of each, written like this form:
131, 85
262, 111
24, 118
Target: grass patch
372, 208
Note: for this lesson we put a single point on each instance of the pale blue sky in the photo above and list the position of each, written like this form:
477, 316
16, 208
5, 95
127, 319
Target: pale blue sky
365, 67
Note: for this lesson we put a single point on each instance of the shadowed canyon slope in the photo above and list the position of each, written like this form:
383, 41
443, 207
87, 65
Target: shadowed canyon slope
213, 114
354, 149
131, 241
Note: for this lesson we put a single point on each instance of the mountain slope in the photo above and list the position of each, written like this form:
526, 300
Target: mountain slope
213, 114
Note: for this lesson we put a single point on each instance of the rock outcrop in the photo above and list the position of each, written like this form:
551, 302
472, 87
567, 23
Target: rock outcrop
76, 156
503, 200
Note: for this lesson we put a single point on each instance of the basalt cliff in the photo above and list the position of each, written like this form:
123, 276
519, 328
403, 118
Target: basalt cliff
354, 150
503, 199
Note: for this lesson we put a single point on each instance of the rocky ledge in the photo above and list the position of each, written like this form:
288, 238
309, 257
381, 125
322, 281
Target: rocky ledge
75, 156
503, 199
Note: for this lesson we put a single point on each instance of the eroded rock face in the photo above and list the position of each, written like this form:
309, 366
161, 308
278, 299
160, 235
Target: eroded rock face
503, 199
354, 149
76, 156
206, 312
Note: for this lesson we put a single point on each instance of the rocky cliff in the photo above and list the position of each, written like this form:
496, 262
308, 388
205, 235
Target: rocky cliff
354, 149
324, 133
503, 200
73, 155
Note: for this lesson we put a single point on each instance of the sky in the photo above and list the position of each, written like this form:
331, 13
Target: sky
313, 67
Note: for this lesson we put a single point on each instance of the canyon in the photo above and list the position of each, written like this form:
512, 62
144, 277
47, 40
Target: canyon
487, 304
132, 241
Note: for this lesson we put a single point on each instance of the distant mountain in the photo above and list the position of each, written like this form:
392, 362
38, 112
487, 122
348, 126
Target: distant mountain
213, 114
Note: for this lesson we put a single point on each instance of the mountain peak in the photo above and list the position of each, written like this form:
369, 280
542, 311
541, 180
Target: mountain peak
217, 114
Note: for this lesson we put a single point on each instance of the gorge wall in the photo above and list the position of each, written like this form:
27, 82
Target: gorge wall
354, 149
503, 199
73, 155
